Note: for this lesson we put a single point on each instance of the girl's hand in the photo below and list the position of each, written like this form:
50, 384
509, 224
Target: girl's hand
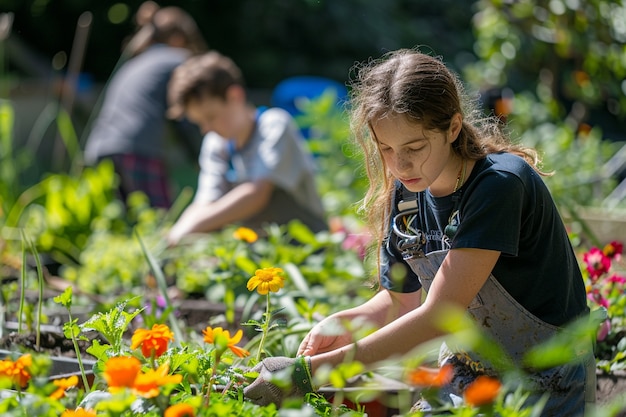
327, 335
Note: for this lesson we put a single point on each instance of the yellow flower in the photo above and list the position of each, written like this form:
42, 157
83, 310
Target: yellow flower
245, 234
482, 391
266, 280
79, 412
222, 340
154, 341
62, 385
148, 384
121, 372
179, 410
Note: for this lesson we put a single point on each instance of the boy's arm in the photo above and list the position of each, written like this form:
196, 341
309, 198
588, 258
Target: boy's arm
242, 202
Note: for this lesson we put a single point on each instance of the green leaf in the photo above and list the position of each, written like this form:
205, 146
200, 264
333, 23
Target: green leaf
160, 278
569, 345
111, 325
64, 299
301, 232
341, 374
98, 350
246, 264
71, 329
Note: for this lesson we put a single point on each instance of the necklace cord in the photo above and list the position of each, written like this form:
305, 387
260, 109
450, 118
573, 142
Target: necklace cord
460, 178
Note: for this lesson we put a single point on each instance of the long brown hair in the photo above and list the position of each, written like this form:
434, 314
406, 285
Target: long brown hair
420, 87
159, 24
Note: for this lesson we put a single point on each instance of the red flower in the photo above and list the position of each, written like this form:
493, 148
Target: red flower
154, 341
613, 249
616, 279
597, 263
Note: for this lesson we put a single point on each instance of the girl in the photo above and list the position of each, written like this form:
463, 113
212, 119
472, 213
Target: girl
468, 215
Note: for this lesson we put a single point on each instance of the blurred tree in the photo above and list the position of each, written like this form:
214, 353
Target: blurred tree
270, 39
564, 62
571, 53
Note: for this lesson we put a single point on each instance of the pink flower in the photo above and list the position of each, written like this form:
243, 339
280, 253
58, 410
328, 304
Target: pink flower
597, 263
596, 297
358, 243
616, 279
604, 330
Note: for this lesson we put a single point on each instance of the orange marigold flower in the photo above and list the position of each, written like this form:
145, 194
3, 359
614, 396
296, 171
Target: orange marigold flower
17, 371
79, 412
179, 410
153, 341
266, 280
121, 372
483, 390
220, 337
62, 385
431, 377
6, 368
22, 365
148, 384
245, 234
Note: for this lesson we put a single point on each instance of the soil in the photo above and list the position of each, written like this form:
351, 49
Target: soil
53, 344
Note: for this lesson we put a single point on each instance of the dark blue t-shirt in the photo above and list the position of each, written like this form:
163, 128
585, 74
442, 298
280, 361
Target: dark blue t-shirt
505, 206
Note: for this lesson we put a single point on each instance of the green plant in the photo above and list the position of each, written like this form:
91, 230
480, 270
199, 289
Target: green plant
340, 174
40, 285
556, 65
71, 330
265, 281
147, 376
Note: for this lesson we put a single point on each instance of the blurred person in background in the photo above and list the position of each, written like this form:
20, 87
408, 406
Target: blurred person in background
255, 168
131, 126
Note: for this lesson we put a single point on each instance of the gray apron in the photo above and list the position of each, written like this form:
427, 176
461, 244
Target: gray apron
504, 319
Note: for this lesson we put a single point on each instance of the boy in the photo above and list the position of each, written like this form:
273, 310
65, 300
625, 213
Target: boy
254, 168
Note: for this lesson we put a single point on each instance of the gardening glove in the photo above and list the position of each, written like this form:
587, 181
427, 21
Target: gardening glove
278, 378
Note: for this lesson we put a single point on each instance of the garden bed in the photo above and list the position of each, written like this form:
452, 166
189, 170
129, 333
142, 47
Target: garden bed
612, 387
52, 342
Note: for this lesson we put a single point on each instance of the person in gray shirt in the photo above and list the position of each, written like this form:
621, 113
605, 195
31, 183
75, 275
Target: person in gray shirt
254, 166
131, 126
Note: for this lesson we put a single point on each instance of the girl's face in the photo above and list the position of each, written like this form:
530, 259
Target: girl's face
419, 158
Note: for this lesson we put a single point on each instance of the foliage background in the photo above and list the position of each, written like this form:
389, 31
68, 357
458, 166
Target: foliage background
270, 39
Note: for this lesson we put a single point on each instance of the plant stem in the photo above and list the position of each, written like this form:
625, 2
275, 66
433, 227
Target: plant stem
264, 327
20, 311
78, 356
40, 300
213, 373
